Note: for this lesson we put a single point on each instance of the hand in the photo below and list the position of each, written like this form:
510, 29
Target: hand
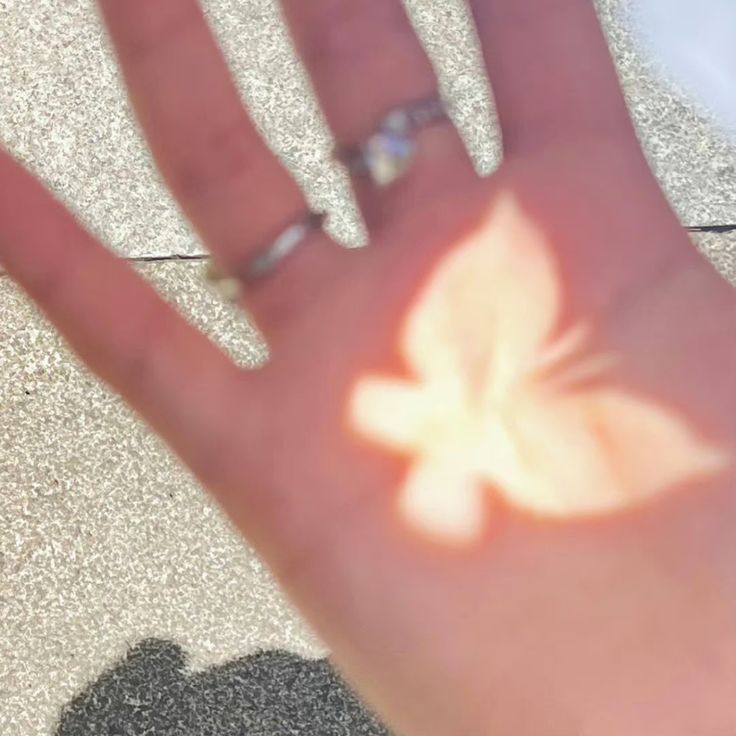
491, 455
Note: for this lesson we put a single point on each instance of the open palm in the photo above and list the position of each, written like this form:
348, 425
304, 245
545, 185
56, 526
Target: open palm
490, 456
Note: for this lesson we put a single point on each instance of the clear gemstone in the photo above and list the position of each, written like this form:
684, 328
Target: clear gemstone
387, 156
228, 287
398, 122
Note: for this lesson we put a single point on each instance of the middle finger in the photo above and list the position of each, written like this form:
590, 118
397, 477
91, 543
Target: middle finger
365, 60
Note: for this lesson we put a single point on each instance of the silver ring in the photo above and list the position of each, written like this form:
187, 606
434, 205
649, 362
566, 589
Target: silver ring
387, 154
229, 282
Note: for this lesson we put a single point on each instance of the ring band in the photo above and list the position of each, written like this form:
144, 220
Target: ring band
229, 282
387, 154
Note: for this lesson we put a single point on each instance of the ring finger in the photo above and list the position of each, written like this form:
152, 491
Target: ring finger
230, 185
365, 60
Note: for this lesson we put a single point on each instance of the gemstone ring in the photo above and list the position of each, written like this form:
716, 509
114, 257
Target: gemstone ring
387, 154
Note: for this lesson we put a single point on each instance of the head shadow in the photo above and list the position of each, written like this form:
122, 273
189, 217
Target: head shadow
268, 693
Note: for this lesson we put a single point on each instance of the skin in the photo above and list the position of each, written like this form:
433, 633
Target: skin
603, 624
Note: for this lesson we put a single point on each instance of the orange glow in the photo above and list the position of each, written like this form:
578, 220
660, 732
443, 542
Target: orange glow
494, 403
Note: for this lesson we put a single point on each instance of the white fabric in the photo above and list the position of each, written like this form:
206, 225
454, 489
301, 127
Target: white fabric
694, 44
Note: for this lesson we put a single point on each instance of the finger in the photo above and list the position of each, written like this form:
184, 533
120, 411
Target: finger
551, 71
228, 182
365, 59
172, 374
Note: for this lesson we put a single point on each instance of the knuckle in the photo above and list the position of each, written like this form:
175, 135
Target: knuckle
54, 282
310, 557
354, 32
304, 555
158, 28
523, 13
153, 333
211, 460
225, 154
310, 549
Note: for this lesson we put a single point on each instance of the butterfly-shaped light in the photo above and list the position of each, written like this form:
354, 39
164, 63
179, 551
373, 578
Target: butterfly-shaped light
498, 407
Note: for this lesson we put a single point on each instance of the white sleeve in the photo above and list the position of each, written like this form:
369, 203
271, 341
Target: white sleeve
693, 42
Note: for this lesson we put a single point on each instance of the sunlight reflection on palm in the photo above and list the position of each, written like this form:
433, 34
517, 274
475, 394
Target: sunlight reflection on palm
497, 403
